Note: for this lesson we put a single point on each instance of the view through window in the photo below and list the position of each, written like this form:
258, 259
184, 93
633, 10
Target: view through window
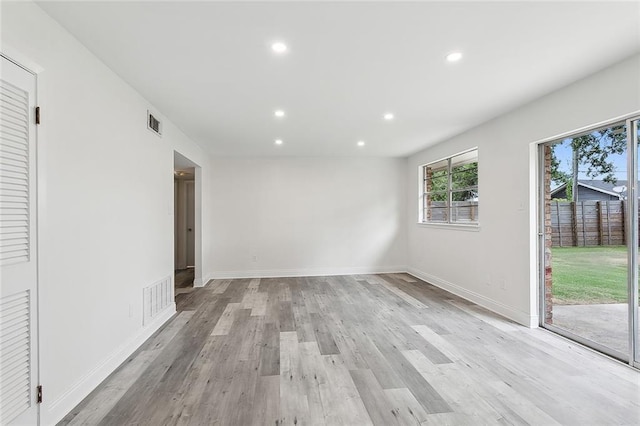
450, 189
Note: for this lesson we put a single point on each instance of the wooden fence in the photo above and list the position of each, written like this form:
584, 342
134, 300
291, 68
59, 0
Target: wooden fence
461, 211
588, 223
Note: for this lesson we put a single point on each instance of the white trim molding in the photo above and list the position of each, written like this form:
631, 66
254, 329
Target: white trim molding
312, 272
524, 318
53, 412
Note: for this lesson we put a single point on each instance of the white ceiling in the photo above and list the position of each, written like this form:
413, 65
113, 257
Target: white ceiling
209, 68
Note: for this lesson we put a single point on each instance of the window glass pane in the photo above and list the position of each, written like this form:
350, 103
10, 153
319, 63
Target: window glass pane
450, 189
439, 181
425, 180
585, 255
465, 195
465, 158
438, 212
440, 165
464, 212
437, 196
464, 174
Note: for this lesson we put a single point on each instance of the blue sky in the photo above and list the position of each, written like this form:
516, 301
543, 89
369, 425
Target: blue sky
563, 154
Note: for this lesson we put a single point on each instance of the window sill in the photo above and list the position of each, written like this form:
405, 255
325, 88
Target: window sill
472, 227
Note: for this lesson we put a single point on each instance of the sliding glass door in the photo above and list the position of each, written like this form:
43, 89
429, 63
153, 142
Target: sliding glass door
633, 127
589, 238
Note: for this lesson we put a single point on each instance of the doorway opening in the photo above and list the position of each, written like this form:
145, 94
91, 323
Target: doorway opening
589, 237
187, 230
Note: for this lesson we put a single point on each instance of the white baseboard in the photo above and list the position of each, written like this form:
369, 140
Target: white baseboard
499, 308
51, 413
203, 281
312, 272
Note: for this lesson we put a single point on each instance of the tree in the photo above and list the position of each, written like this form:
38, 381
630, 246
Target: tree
591, 150
464, 182
557, 175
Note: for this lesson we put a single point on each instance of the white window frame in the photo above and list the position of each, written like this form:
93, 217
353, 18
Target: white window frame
422, 219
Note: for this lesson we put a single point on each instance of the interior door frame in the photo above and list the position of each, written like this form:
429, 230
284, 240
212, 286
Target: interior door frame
631, 217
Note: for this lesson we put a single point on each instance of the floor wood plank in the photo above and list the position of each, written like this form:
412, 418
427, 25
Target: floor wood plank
265, 409
294, 405
378, 406
226, 321
270, 351
315, 383
355, 350
406, 407
346, 404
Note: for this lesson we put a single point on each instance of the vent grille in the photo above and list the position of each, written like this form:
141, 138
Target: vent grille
15, 356
156, 298
154, 124
14, 174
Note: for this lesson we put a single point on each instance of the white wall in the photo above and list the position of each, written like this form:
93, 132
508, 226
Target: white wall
292, 216
495, 266
106, 207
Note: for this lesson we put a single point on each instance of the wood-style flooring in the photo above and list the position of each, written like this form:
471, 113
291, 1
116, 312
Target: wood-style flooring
355, 350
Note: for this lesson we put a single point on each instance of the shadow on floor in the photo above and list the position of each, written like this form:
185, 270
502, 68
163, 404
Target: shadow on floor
184, 281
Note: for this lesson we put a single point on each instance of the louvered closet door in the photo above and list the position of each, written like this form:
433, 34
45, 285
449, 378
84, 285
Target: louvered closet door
18, 274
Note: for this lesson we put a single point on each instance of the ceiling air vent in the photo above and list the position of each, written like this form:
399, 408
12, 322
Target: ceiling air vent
154, 124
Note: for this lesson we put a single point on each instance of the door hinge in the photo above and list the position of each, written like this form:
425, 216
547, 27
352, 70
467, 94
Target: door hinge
39, 397
37, 115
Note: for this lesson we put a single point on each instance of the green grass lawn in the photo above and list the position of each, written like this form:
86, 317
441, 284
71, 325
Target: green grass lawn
589, 275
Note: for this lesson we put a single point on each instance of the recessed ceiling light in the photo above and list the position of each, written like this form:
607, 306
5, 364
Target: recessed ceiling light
278, 141
388, 116
360, 143
279, 47
279, 113
454, 56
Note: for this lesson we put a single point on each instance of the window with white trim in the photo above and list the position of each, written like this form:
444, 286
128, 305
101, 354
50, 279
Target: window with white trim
449, 192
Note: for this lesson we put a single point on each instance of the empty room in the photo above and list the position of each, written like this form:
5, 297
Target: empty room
319, 212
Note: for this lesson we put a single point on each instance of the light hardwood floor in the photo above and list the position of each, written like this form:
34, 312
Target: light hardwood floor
355, 350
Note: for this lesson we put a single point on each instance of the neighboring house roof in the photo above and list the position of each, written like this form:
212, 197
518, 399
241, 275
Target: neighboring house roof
595, 185
600, 185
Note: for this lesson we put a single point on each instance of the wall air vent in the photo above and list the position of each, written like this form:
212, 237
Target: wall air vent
154, 124
156, 298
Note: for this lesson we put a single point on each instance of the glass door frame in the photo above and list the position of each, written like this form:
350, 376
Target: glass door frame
632, 242
632, 357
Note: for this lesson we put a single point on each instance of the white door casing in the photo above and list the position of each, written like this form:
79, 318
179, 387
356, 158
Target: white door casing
18, 247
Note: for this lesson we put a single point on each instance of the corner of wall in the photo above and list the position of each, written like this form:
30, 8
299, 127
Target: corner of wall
523, 318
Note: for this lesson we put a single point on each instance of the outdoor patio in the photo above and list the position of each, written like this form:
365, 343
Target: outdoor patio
606, 324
